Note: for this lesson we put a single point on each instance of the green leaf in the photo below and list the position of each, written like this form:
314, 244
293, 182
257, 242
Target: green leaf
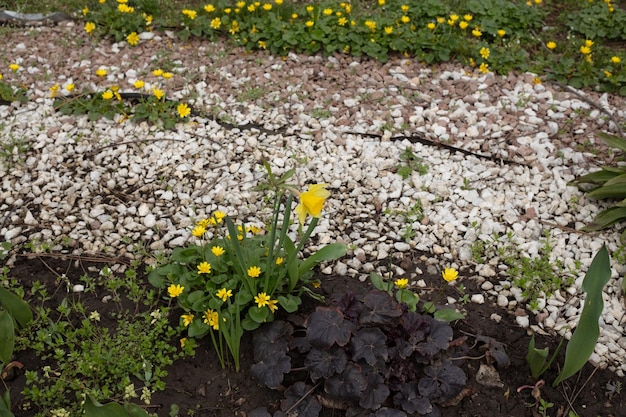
613, 141
448, 314
608, 191
379, 283
597, 177
606, 218
537, 359
327, 253
94, 409
197, 329
258, 314
16, 307
408, 297
135, 411
187, 256
585, 337
290, 303
7, 338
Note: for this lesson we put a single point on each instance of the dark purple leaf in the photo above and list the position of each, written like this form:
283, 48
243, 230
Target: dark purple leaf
376, 392
326, 326
438, 339
259, 412
322, 363
380, 307
271, 340
370, 344
350, 306
443, 382
348, 386
299, 401
301, 343
271, 370
411, 401
388, 412
415, 324
494, 350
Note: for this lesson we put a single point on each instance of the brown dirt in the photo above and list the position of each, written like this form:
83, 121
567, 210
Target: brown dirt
200, 387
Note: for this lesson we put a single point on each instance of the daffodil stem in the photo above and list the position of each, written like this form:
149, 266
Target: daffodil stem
307, 234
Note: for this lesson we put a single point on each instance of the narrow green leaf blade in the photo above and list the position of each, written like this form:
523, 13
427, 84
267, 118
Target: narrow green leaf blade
585, 337
608, 191
606, 218
17, 307
613, 141
7, 338
327, 253
94, 409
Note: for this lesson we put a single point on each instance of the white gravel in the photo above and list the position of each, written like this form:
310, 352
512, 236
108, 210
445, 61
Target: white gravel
105, 186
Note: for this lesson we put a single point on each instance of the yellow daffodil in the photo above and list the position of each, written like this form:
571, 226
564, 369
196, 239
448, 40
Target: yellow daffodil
132, 39
187, 319
224, 294
312, 201
217, 250
183, 110
551, 45
90, 27
401, 283
254, 271
204, 268
175, 290
450, 274
262, 299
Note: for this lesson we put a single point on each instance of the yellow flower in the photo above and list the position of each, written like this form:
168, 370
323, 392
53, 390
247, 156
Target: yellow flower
217, 250
381, 2
404, 8
405, 19
309, 9
388, 30
234, 27
182, 342
187, 319
107, 95
209, 8
312, 201
251, 8
101, 72
1, 76
279, 261
501, 33
450, 274
431, 26
401, 283
551, 45
585, 50
90, 27
132, 39
463, 24
342, 21
167, 75
157, 72
441, 20
454, 17
224, 294
85, 10
69, 87
204, 268
183, 110
241, 4
316, 284
483, 68
272, 305
608, 74
216, 23
191, 14
262, 299
175, 290
14, 67
254, 271
616, 59
476, 32
588, 43
371, 25
327, 12
211, 318
158, 93
217, 217
468, 17
53, 90
262, 44
147, 18
294, 15
138, 84
198, 231
123, 8
278, 2
309, 23
267, 7
484, 52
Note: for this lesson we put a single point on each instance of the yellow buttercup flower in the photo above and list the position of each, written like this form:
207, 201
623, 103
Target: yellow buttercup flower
468, 17
267, 7
388, 30
616, 59
484, 52
54, 90
309, 23
551, 45
101, 72
157, 72
158, 93
210, 8
191, 14
69, 87
167, 75
401, 283
501, 33
138, 84
90, 27
279, 261
272, 305
187, 319
224, 294
183, 110
14, 67
212, 318
463, 24
183, 341
431, 26
476, 32
312, 201
588, 43
585, 50
217, 250
132, 39
107, 95
262, 299
450, 274
404, 8
198, 231
216, 23
175, 290
204, 268
254, 271
483, 68
327, 12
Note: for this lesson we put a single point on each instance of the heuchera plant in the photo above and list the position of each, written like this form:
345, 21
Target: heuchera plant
371, 356
236, 277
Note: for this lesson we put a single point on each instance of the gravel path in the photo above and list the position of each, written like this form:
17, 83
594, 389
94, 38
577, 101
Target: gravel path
101, 187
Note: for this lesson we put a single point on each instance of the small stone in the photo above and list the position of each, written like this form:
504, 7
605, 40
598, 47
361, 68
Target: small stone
478, 299
78, 288
502, 301
341, 269
488, 376
522, 321
149, 221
